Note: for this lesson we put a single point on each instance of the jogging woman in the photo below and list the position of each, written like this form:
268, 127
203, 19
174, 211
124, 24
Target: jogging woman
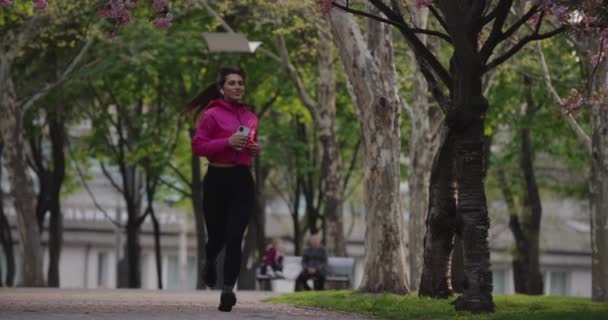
227, 137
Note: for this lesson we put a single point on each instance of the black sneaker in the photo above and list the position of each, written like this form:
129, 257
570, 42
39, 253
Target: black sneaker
210, 275
227, 300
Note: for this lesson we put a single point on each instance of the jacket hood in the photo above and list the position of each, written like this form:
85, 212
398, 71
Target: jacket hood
223, 104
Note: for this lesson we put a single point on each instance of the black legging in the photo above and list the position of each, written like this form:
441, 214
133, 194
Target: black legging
228, 200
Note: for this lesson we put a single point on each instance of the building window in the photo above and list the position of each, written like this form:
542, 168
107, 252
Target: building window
102, 270
499, 281
174, 273
556, 283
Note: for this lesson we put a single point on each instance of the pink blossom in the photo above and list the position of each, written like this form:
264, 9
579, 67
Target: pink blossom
325, 6
5, 3
423, 3
125, 19
163, 22
40, 4
561, 12
574, 102
160, 5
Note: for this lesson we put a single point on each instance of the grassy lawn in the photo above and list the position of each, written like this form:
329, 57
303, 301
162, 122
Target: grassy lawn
411, 307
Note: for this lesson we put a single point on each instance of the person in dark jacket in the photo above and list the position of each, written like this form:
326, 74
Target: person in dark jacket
314, 265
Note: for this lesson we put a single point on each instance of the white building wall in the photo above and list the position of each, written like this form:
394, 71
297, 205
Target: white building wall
71, 270
580, 283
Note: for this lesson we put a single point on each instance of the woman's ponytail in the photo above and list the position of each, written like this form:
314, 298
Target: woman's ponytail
196, 106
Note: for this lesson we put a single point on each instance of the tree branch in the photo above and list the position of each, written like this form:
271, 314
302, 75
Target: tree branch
180, 175
175, 188
582, 136
89, 192
420, 49
305, 97
520, 45
501, 11
64, 76
438, 16
433, 33
110, 178
491, 45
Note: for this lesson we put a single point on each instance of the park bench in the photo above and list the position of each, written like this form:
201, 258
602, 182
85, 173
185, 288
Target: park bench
340, 273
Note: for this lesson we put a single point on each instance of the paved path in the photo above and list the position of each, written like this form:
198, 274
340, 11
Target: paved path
82, 304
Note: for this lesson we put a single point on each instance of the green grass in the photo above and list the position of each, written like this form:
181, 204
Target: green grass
411, 307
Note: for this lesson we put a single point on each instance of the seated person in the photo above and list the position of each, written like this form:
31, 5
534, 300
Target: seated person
272, 262
314, 265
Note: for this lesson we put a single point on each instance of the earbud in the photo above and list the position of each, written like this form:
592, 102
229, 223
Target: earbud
222, 91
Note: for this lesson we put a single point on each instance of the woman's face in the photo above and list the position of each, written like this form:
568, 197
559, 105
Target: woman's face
234, 88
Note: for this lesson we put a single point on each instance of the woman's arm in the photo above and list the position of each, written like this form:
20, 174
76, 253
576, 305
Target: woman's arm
204, 144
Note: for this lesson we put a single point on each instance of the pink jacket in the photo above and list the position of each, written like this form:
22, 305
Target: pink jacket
219, 122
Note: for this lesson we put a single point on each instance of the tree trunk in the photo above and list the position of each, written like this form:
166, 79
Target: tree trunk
425, 117
373, 77
466, 120
295, 216
132, 186
599, 191
531, 201
440, 224
261, 174
22, 187
199, 217
57, 134
331, 158
157, 249
6, 238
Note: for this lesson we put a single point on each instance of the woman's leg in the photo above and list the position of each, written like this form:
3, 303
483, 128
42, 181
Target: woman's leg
215, 202
239, 211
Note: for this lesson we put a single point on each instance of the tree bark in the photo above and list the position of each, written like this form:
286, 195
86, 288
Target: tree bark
6, 238
440, 224
599, 191
531, 201
331, 158
57, 134
373, 77
22, 187
425, 118
199, 217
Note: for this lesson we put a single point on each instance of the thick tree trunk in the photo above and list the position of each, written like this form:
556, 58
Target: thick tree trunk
6, 238
57, 134
440, 224
372, 75
331, 159
22, 187
199, 217
473, 218
599, 192
425, 119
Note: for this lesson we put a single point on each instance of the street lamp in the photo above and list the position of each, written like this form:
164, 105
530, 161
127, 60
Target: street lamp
229, 42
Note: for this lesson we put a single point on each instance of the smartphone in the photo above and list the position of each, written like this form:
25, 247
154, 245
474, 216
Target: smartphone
243, 131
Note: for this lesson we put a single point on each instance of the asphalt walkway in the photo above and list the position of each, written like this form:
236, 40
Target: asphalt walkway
97, 304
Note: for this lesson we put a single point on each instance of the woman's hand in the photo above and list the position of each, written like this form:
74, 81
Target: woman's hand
254, 149
237, 141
